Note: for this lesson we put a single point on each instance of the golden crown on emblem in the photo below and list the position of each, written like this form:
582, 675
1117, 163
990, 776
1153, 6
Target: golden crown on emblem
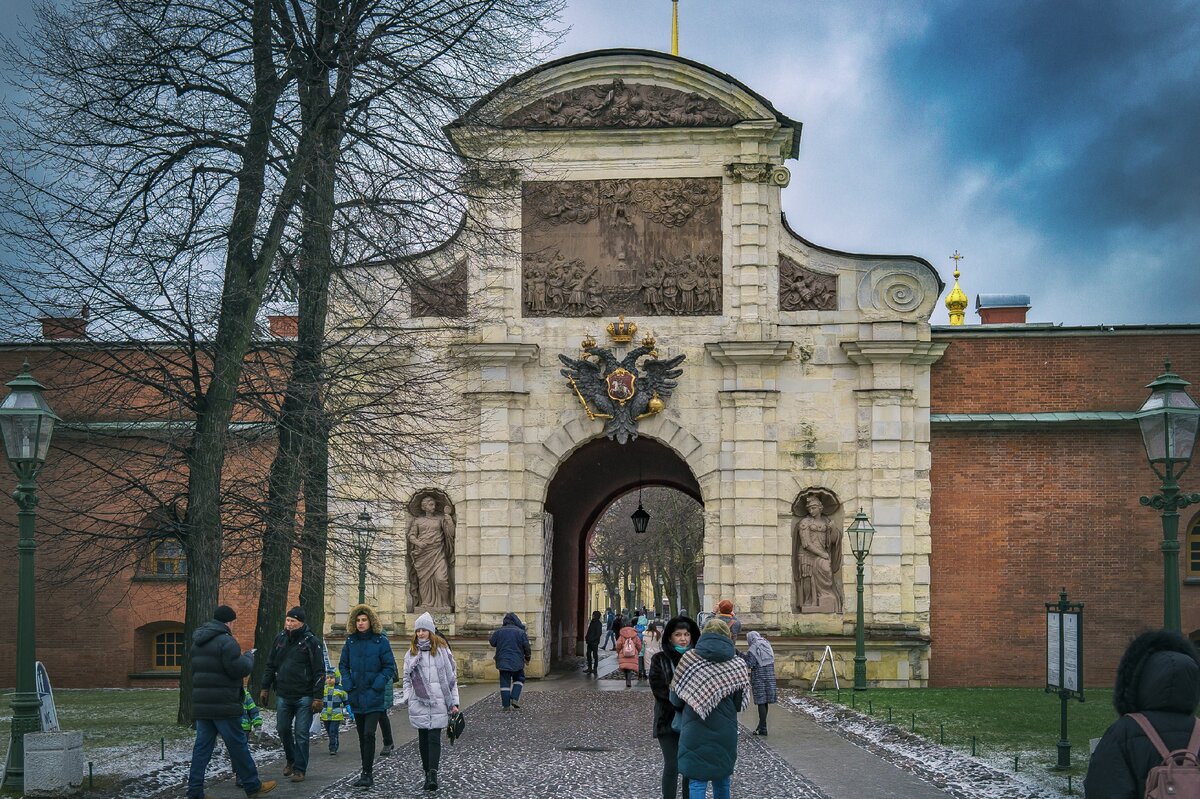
621, 331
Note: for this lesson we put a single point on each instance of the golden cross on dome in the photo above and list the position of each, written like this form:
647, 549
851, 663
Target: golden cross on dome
956, 258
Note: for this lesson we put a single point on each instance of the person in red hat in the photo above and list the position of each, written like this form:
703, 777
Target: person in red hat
725, 613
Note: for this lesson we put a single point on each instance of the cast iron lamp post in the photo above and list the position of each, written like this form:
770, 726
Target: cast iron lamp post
860, 532
364, 531
26, 422
1168, 420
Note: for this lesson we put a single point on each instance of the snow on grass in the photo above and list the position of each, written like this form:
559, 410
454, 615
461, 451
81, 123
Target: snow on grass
953, 771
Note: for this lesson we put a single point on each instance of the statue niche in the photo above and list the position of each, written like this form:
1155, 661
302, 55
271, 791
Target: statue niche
430, 561
817, 548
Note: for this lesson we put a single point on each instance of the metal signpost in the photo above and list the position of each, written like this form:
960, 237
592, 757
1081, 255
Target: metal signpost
1064, 662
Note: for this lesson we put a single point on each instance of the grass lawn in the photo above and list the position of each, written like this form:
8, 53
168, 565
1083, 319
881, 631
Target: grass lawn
114, 717
1006, 722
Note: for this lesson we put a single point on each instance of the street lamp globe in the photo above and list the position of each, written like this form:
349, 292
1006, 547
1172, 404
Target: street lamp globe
26, 423
1168, 420
861, 533
364, 532
641, 519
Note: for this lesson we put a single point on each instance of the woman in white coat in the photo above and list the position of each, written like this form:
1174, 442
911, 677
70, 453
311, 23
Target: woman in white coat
431, 690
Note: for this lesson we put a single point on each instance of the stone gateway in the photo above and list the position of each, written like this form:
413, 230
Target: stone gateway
648, 186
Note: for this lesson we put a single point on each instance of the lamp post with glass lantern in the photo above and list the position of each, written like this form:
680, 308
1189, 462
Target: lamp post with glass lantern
860, 533
1168, 420
364, 532
26, 423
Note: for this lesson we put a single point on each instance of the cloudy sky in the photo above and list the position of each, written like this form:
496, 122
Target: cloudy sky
1054, 143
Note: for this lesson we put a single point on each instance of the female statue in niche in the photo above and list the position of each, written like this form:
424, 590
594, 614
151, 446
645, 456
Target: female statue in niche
430, 551
818, 550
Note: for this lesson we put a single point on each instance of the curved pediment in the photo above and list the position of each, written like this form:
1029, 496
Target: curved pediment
624, 89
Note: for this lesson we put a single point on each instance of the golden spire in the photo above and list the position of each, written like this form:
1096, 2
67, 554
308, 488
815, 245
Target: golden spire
956, 301
674, 27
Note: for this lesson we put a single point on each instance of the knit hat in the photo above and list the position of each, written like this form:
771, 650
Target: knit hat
297, 613
716, 626
424, 622
224, 614
725, 607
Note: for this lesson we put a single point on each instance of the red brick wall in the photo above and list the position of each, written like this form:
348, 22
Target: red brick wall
1019, 514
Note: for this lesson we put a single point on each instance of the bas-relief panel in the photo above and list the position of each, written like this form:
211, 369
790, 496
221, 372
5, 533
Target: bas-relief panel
802, 289
648, 247
622, 105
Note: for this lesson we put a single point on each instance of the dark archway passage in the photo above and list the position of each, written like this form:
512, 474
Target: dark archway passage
586, 482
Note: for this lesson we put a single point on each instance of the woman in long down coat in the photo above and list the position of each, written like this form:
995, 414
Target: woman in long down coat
431, 690
680, 635
367, 667
711, 686
760, 657
628, 647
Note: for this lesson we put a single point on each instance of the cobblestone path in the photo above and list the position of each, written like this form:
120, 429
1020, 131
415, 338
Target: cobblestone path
583, 744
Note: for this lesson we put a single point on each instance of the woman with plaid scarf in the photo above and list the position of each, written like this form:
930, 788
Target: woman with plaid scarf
711, 686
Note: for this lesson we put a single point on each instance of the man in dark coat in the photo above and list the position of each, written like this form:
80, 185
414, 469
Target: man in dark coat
592, 639
512, 653
218, 668
296, 669
1159, 677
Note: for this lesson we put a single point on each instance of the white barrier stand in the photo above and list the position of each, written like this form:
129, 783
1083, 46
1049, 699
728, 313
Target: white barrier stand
828, 655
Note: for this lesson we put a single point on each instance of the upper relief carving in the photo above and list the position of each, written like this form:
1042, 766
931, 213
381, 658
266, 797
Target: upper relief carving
649, 246
445, 296
622, 105
802, 289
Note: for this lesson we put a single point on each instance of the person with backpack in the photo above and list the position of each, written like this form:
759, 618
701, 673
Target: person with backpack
629, 646
592, 639
679, 635
296, 670
1157, 692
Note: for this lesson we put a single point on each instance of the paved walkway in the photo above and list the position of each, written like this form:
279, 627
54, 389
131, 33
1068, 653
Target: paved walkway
576, 737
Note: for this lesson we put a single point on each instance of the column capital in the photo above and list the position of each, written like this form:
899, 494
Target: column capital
911, 352
740, 353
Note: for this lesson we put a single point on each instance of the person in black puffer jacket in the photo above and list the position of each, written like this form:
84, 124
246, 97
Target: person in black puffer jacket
218, 668
679, 635
1158, 676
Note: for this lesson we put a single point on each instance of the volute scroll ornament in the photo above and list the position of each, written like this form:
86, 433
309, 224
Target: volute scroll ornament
759, 172
621, 392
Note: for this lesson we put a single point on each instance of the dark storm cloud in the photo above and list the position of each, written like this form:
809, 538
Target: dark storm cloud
1087, 112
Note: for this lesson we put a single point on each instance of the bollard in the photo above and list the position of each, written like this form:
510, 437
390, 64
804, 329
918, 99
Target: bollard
942, 733
853, 699
162, 748
1070, 787
91, 782
1016, 762
870, 707
914, 721
972, 746
889, 714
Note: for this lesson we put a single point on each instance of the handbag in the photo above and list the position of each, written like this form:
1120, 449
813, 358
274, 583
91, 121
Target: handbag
458, 723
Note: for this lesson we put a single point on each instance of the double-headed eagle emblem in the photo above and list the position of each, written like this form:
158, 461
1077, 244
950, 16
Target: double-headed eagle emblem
615, 391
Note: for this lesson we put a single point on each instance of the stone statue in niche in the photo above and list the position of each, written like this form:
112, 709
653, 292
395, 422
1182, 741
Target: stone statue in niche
817, 544
430, 539
802, 289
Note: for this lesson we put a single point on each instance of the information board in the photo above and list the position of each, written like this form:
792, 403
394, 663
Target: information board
1064, 651
1053, 653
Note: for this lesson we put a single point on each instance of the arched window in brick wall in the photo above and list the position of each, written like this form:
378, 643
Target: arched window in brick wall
168, 650
1192, 542
158, 649
167, 558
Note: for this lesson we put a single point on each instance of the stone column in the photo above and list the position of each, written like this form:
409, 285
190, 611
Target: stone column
893, 469
741, 560
496, 570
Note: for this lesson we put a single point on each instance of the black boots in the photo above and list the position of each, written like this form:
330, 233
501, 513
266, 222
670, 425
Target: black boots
431, 782
365, 781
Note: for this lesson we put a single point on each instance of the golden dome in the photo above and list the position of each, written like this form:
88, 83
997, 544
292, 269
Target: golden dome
956, 301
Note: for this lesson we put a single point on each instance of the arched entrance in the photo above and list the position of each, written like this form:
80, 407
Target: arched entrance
586, 482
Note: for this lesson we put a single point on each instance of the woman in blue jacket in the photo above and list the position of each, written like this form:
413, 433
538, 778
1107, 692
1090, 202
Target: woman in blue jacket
367, 667
711, 686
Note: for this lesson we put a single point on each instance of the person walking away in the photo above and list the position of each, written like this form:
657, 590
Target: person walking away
431, 690
366, 666
760, 657
334, 709
710, 687
592, 640
642, 624
218, 668
615, 628
1159, 678
512, 653
679, 636
725, 613
296, 670
651, 643
628, 648
609, 633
